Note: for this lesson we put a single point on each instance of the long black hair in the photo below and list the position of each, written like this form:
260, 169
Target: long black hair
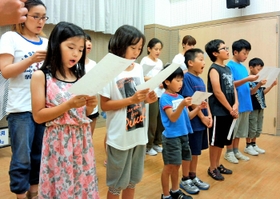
53, 62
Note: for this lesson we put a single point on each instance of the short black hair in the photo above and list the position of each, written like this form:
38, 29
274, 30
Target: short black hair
124, 37
213, 46
256, 62
191, 54
177, 73
240, 45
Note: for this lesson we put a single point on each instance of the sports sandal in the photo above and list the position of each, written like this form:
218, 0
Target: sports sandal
224, 170
215, 174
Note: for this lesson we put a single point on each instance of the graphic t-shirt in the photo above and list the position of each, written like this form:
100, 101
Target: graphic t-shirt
227, 87
19, 97
126, 127
182, 125
258, 99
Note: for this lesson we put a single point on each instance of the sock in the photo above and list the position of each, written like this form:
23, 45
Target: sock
184, 178
229, 150
248, 144
235, 150
253, 143
174, 191
164, 197
192, 175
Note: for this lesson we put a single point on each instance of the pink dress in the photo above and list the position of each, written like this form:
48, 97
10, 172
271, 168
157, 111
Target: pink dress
68, 163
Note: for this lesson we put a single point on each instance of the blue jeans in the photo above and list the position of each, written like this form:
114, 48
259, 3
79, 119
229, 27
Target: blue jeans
26, 144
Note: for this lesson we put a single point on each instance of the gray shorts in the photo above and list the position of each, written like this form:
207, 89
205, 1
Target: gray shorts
255, 123
175, 150
124, 168
242, 125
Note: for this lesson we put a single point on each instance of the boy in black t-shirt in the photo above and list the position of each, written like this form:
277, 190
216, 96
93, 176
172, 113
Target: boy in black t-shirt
223, 105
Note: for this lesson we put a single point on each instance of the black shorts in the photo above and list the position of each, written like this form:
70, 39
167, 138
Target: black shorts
219, 131
198, 141
92, 116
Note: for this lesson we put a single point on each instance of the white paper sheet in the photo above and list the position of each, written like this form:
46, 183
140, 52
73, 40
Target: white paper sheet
155, 81
231, 128
102, 73
268, 73
200, 96
147, 68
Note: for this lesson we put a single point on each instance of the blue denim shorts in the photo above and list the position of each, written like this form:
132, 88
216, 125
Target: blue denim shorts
26, 144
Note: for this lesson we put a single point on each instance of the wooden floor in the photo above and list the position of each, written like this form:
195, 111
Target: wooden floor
258, 178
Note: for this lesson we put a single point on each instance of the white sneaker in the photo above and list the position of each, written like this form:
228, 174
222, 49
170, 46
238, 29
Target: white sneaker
231, 157
157, 148
151, 151
240, 156
259, 150
250, 150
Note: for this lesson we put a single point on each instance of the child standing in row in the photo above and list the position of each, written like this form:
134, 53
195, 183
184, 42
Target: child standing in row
240, 51
89, 64
223, 105
194, 60
68, 164
258, 101
155, 128
176, 121
126, 116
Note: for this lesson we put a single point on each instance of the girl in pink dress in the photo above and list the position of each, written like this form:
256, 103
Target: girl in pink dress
68, 164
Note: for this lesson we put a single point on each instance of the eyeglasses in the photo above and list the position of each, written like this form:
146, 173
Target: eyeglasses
224, 48
38, 18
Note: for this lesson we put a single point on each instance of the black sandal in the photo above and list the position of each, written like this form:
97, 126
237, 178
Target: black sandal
224, 170
215, 174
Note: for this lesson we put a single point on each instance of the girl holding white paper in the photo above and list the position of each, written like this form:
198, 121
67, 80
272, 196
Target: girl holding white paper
126, 116
155, 65
68, 163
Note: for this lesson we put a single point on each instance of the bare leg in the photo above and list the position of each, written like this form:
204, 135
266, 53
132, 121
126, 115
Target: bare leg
128, 193
92, 125
175, 177
185, 168
193, 164
214, 154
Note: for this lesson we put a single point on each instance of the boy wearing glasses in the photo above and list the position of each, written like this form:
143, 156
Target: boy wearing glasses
240, 51
223, 105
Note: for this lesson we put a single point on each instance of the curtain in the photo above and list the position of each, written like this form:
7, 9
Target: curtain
97, 15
